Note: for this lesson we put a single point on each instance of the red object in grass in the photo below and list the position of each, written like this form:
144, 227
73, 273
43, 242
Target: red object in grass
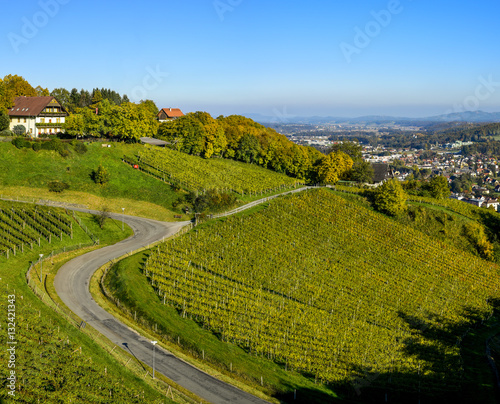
136, 166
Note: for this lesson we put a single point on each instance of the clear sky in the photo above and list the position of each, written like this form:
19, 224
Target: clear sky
274, 57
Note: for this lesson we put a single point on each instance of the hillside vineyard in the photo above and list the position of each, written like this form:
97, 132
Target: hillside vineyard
23, 225
194, 173
329, 288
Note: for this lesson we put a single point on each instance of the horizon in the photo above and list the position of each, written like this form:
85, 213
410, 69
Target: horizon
281, 59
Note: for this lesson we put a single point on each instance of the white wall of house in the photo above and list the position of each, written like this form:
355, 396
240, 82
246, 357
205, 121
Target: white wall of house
30, 124
27, 122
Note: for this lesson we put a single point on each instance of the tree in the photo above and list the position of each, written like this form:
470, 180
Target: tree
75, 124
353, 150
100, 175
96, 98
390, 198
438, 187
333, 166
361, 171
4, 120
248, 149
12, 87
64, 97
102, 216
42, 92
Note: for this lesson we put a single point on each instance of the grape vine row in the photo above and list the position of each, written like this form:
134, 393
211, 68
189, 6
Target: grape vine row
22, 225
326, 287
196, 173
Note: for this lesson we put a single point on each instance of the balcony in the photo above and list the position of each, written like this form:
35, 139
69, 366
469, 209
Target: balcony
49, 125
52, 114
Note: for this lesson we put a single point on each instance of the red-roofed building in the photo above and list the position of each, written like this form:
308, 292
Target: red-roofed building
169, 114
38, 115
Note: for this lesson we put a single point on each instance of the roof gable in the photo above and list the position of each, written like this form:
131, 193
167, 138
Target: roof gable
33, 106
171, 112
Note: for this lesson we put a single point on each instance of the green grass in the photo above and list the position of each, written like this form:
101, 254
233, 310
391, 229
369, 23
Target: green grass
55, 362
26, 173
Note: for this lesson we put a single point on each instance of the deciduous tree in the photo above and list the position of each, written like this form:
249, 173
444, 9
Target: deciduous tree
4, 120
390, 198
438, 187
332, 167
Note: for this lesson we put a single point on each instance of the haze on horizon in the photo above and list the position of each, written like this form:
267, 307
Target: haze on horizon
282, 58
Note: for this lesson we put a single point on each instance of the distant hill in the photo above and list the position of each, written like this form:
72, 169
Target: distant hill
467, 116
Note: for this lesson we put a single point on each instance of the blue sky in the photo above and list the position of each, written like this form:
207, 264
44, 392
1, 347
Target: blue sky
278, 58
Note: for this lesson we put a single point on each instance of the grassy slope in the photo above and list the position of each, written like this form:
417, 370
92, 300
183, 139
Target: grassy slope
197, 340
56, 363
26, 173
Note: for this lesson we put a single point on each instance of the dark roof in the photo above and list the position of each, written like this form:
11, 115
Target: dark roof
380, 171
153, 142
32, 106
171, 112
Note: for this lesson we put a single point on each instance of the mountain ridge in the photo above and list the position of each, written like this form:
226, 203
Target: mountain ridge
466, 116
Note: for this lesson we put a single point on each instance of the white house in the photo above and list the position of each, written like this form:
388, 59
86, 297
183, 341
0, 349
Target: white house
38, 115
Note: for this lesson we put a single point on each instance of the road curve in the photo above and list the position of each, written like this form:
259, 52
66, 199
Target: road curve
72, 286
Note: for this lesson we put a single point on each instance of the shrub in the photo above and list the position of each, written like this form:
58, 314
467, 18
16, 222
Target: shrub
58, 186
36, 146
100, 175
20, 142
80, 147
19, 130
6, 133
101, 217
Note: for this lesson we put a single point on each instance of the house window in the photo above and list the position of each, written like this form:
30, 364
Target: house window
58, 120
24, 120
42, 120
18, 120
50, 120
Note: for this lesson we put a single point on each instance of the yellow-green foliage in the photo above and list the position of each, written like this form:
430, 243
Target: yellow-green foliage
475, 233
390, 198
333, 166
329, 288
196, 173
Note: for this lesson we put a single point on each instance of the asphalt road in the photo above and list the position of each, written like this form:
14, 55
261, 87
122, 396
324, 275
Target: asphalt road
72, 286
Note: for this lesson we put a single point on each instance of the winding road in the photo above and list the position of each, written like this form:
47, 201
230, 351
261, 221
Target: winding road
72, 286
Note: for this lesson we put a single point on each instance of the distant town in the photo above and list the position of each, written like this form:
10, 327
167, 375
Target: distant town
446, 158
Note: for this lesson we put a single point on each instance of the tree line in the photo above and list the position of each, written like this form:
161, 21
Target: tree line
240, 138
105, 113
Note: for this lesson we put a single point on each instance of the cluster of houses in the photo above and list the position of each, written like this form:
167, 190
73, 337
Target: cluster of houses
482, 202
45, 115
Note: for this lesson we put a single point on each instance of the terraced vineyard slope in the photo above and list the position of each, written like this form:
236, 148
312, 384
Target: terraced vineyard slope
331, 289
196, 173
22, 225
